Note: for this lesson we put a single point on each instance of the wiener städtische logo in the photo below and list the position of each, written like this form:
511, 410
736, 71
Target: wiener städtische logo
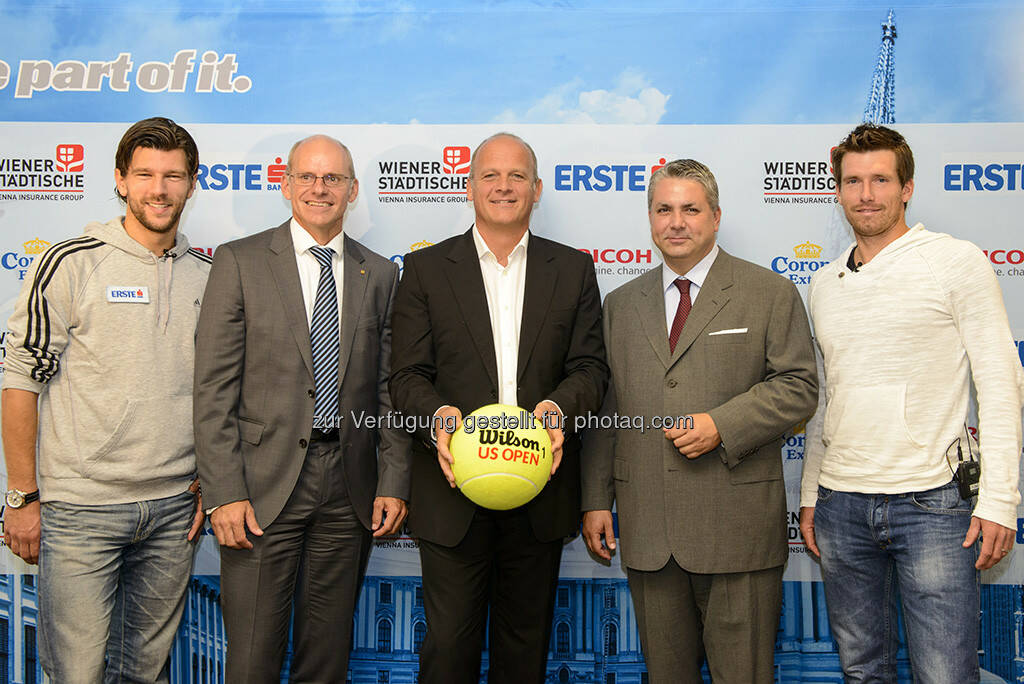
55, 177
438, 180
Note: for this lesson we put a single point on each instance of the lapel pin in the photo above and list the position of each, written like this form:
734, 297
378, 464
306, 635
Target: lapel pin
362, 271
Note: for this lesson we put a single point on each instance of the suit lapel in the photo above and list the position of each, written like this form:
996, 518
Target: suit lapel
356, 275
286, 275
651, 312
467, 286
712, 297
538, 293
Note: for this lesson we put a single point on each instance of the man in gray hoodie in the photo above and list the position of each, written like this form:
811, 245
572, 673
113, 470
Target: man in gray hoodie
99, 375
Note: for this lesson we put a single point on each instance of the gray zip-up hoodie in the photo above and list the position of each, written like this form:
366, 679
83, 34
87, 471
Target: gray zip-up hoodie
104, 332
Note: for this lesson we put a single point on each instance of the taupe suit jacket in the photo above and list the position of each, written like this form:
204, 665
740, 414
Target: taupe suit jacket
726, 510
254, 377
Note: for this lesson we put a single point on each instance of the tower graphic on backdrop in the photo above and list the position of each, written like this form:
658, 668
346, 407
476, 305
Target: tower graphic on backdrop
881, 106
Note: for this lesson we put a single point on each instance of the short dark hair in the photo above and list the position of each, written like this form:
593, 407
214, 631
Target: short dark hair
869, 137
157, 133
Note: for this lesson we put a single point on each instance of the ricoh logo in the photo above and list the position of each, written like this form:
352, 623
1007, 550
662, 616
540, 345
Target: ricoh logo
604, 177
1006, 262
806, 260
631, 260
400, 259
16, 262
58, 177
431, 181
987, 178
239, 176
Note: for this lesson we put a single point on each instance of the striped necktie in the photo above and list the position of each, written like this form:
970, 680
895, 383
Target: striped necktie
324, 339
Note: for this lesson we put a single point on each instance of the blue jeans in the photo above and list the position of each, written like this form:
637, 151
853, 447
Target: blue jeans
112, 582
875, 547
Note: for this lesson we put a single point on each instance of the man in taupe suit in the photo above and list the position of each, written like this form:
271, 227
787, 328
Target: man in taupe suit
725, 346
293, 346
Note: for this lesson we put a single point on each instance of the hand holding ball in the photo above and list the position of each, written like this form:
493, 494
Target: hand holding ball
502, 456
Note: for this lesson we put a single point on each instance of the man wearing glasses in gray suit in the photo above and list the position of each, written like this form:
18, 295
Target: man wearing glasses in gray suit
296, 330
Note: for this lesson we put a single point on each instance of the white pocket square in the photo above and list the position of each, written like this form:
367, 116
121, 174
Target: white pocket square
730, 331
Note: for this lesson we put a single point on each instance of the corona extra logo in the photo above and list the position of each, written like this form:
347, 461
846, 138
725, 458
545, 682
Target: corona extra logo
807, 250
19, 263
35, 246
793, 445
400, 259
807, 259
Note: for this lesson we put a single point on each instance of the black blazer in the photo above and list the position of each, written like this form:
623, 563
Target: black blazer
443, 353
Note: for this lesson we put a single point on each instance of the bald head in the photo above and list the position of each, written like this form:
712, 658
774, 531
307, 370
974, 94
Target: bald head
321, 138
502, 136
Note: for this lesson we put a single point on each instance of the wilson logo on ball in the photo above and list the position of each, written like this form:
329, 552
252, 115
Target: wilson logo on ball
502, 456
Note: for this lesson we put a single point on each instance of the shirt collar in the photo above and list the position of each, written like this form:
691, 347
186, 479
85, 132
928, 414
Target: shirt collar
483, 250
302, 241
696, 275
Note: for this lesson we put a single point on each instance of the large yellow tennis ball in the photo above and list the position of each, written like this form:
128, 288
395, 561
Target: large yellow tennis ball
502, 456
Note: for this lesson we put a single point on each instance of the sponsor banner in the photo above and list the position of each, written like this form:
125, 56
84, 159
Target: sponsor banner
596, 204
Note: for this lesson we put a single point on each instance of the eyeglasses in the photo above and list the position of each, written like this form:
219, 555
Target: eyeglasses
331, 180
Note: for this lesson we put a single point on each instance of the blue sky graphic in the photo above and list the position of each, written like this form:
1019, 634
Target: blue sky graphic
640, 62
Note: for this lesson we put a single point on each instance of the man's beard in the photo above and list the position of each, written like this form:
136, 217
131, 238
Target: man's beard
138, 209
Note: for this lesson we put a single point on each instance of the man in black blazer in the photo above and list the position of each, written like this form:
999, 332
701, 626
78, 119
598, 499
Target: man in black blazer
494, 315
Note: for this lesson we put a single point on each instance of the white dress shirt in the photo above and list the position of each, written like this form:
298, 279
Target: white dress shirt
504, 287
309, 267
695, 275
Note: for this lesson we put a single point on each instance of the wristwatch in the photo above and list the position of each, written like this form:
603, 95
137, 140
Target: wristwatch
19, 499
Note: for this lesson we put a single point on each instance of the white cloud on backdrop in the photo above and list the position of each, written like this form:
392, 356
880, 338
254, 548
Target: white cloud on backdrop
633, 100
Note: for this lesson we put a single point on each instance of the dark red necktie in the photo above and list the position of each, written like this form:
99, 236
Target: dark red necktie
682, 311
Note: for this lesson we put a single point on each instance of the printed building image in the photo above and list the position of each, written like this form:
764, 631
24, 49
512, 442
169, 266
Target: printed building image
19, 660
594, 638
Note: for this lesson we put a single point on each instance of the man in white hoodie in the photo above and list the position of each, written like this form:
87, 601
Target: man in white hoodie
100, 376
905, 319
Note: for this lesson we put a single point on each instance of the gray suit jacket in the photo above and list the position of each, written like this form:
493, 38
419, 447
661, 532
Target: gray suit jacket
254, 394
726, 510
